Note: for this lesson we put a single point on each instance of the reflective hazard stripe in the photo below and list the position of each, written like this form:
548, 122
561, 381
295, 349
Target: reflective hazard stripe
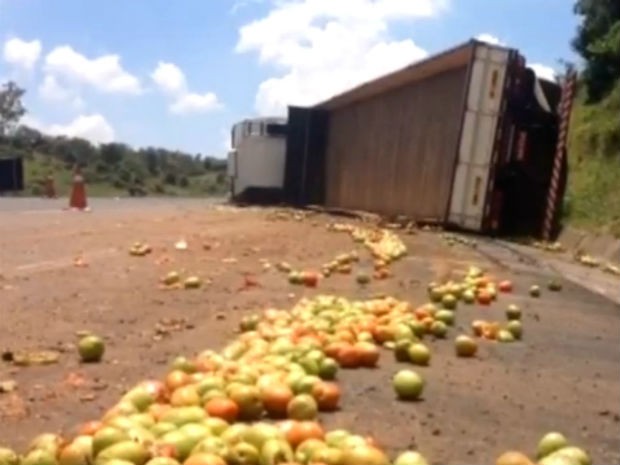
566, 104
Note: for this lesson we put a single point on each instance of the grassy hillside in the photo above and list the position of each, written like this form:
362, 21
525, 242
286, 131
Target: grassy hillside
114, 169
37, 166
594, 184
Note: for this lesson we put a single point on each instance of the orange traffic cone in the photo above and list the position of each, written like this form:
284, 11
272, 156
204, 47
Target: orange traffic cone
50, 188
77, 201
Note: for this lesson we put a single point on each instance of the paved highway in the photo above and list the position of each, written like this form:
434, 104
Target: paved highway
33, 205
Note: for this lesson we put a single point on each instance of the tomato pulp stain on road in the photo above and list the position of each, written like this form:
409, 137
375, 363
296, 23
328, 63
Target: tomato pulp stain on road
473, 409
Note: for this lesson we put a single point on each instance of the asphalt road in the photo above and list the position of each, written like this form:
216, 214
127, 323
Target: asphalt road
562, 376
517, 256
32, 205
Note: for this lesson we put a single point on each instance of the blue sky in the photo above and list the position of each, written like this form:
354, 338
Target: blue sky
179, 74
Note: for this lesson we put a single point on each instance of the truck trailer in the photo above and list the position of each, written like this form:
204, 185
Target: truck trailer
468, 138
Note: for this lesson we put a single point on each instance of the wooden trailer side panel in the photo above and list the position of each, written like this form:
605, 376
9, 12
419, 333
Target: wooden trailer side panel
395, 153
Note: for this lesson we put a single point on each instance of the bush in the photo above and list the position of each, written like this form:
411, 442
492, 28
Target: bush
36, 190
170, 178
594, 160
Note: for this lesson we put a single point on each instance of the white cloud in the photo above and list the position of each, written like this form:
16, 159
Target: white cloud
240, 4
50, 89
104, 73
171, 80
324, 47
489, 39
93, 127
169, 77
226, 140
22, 53
543, 71
195, 103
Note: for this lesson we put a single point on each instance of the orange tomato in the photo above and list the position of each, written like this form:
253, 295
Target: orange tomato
348, 356
478, 326
378, 264
275, 399
367, 353
372, 442
427, 322
381, 273
205, 365
176, 378
345, 335
365, 326
421, 312
333, 348
157, 411
300, 431
484, 297
310, 279
185, 396
327, 395
222, 407
382, 333
490, 331
380, 307
482, 282
90, 428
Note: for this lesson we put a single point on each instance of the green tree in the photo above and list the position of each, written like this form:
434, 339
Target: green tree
598, 43
152, 160
135, 167
11, 106
113, 153
83, 151
115, 164
26, 138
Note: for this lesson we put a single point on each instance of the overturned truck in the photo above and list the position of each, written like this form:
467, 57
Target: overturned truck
470, 138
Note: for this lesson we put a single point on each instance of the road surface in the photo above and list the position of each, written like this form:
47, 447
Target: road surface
562, 376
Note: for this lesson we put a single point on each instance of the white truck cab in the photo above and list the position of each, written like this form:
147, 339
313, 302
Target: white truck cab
256, 159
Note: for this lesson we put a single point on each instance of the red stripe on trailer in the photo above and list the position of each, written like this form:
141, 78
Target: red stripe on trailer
566, 102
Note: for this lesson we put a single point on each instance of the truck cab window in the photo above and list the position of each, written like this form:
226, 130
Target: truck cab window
275, 130
255, 129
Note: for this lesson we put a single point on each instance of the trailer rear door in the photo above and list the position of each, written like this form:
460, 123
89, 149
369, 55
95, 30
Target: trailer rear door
304, 172
11, 174
468, 205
